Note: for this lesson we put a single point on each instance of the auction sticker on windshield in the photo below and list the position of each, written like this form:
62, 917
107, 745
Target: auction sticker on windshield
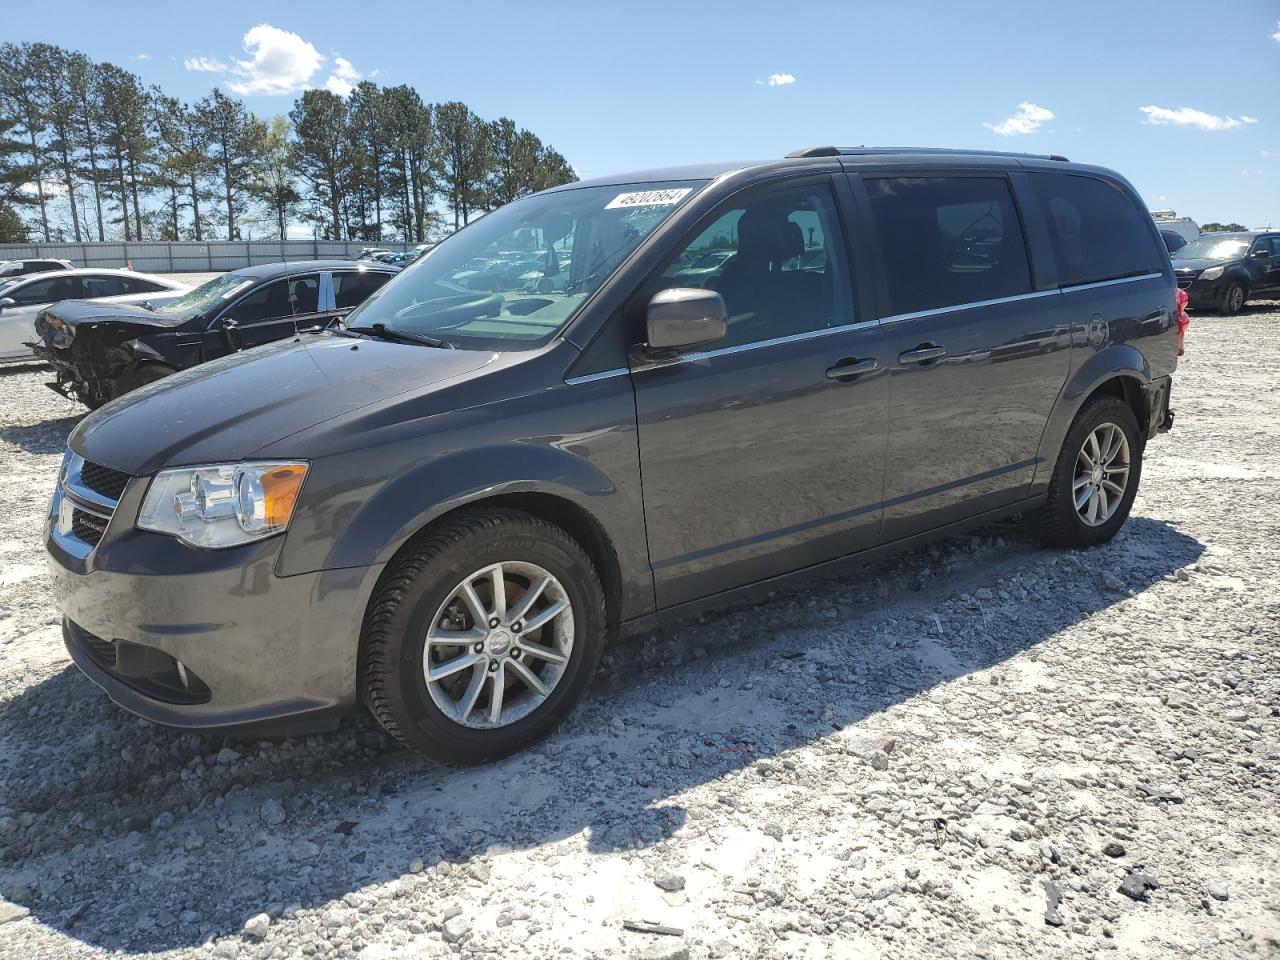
649, 198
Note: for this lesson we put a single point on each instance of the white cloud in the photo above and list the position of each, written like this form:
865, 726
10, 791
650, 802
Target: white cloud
777, 80
1276, 36
282, 62
1189, 117
1029, 118
205, 64
343, 78
142, 56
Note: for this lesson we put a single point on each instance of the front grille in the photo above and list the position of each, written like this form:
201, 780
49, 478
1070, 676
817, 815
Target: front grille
87, 526
103, 480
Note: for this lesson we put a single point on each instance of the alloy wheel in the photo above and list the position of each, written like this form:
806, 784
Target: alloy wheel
1102, 474
498, 645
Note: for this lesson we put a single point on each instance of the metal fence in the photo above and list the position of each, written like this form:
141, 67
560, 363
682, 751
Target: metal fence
162, 256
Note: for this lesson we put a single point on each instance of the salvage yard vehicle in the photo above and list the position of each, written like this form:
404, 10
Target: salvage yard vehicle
1221, 271
20, 268
439, 511
22, 298
100, 351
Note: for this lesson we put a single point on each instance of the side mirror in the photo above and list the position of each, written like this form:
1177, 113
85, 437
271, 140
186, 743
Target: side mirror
8, 302
682, 319
1262, 254
231, 333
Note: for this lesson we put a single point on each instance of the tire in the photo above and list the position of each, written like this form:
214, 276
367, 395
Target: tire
1059, 522
135, 377
1233, 299
420, 591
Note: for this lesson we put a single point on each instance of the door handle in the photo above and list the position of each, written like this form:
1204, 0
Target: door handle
925, 353
850, 367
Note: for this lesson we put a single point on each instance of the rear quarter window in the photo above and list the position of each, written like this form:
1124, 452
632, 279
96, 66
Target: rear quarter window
1096, 230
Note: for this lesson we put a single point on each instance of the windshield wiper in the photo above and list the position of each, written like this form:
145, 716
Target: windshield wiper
383, 332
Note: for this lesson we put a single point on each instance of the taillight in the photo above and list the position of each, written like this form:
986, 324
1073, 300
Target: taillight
1184, 321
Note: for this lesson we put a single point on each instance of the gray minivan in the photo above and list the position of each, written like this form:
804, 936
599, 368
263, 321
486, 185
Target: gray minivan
568, 422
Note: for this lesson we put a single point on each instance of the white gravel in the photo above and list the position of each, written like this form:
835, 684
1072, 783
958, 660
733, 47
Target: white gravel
964, 752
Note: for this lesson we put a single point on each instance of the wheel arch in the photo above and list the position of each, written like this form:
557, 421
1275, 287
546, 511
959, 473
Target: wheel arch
1120, 370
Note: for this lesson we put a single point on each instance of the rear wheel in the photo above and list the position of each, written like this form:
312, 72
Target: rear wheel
135, 377
1233, 299
1096, 477
482, 636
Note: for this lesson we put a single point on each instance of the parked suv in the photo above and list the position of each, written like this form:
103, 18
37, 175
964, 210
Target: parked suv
1221, 271
444, 510
100, 351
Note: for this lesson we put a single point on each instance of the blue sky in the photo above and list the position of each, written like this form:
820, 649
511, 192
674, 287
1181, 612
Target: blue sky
628, 86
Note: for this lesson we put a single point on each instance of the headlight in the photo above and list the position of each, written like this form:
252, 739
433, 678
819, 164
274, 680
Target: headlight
223, 505
1213, 273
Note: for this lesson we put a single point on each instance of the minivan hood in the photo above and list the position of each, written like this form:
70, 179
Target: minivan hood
226, 409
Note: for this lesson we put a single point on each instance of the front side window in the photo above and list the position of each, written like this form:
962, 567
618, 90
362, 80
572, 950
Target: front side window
304, 293
1096, 230
50, 290
513, 278
271, 301
947, 241
778, 259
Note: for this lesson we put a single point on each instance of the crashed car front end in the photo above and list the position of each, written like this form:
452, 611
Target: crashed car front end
90, 347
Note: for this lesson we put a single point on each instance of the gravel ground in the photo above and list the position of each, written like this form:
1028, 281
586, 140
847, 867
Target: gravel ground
980, 749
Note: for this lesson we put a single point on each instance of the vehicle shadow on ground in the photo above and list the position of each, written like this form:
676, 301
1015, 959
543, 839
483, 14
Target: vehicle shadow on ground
50, 436
191, 843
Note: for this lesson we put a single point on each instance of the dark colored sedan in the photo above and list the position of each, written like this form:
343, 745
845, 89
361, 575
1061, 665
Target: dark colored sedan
1221, 271
102, 351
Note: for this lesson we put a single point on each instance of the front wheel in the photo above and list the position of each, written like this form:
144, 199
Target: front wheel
482, 636
1233, 299
135, 377
1095, 478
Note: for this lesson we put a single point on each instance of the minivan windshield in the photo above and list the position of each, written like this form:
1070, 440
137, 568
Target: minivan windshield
1212, 248
513, 278
204, 298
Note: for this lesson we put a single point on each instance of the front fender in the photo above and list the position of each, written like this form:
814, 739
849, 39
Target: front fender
382, 524
1114, 360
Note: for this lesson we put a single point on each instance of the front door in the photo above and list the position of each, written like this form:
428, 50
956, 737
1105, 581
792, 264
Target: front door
765, 453
977, 357
260, 316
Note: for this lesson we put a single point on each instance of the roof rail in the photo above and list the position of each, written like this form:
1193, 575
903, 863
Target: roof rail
939, 151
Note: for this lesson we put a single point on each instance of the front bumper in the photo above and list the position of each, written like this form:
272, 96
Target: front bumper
1206, 294
261, 654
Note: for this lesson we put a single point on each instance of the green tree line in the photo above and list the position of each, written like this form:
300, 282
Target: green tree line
88, 152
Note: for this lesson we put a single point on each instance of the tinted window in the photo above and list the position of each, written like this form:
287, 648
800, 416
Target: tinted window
304, 292
269, 302
40, 266
48, 291
138, 285
1173, 241
1097, 231
1262, 243
105, 286
352, 289
777, 258
948, 240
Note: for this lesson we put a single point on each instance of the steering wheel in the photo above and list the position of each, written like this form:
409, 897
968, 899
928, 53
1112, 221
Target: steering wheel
451, 311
